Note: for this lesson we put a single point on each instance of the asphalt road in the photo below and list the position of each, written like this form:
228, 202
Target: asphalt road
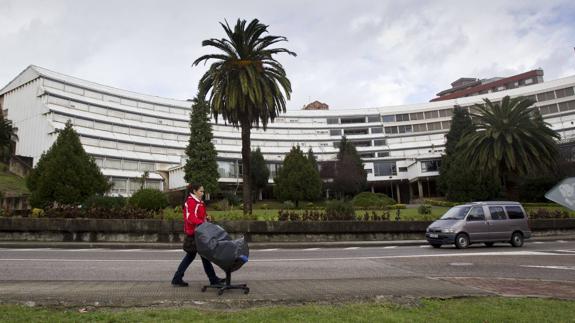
543, 260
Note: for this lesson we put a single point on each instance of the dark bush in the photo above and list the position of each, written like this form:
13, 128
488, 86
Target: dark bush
106, 202
232, 198
424, 209
339, 210
548, 214
149, 199
99, 213
368, 200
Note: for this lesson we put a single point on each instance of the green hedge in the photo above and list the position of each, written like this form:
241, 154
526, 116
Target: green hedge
368, 200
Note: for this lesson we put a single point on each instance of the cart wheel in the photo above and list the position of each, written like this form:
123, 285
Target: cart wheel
246, 291
220, 292
204, 289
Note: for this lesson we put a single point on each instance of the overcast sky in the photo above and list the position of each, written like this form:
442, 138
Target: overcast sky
351, 54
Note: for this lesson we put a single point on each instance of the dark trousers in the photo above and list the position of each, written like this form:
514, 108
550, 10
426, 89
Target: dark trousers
190, 248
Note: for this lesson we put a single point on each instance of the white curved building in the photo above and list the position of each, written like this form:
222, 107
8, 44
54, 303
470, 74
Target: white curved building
129, 133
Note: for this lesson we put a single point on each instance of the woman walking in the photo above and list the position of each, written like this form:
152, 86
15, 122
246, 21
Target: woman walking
194, 215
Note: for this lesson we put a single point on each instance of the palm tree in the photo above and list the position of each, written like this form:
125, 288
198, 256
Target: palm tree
247, 84
510, 139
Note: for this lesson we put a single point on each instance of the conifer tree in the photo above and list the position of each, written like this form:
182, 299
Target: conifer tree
65, 174
260, 174
201, 166
297, 180
350, 176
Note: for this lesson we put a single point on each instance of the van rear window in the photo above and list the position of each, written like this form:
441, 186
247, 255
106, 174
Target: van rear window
514, 212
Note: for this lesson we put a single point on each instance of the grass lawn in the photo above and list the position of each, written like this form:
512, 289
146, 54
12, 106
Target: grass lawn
12, 183
487, 309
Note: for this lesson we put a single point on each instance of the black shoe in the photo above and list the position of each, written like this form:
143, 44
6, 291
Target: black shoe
219, 281
180, 283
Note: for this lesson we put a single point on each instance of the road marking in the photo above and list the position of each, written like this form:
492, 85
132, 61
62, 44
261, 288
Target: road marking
266, 249
425, 246
351, 248
390, 247
561, 241
461, 264
310, 249
508, 253
572, 251
538, 242
551, 267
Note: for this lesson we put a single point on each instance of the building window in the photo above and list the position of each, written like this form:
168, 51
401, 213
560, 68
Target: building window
434, 126
546, 109
431, 114
402, 117
358, 131
564, 92
377, 130
379, 142
353, 120
565, 106
389, 118
402, 169
430, 165
383, 154
366, 143
391, 130
384, 168
416, 116
367, 155
446, 125
332, 120
376, 118
404, 129
335, 132
545, 96
445, 113
420, 127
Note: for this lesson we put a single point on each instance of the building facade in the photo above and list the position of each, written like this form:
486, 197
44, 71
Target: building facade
129, 133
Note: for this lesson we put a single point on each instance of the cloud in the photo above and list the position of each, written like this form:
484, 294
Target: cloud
350, 54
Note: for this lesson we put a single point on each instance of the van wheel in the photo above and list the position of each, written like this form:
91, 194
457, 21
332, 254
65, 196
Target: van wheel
436, 245
516, 239
489, 244
462, 241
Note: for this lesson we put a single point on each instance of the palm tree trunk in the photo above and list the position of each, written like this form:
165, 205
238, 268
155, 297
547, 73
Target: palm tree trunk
246, 167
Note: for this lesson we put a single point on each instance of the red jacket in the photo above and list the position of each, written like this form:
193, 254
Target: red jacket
194, 214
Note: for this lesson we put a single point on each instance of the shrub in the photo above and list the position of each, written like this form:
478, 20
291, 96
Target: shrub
149, 199
440, 203
368, 200
424, 209
37, 213
288, 205
397, 206
99, 213
232, 198
339, 210
106, 202
172, 213
548, 214
221, 205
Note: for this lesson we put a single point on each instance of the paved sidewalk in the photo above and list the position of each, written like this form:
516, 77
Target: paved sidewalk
67, 293
130, 294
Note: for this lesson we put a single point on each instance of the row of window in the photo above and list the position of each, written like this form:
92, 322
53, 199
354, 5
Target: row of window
125, 164
420, 127
128, 186
115, 99
556, 107
445, 113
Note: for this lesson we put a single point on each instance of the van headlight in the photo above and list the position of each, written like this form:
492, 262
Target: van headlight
447, 230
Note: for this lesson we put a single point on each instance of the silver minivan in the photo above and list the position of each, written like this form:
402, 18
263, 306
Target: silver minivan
480, 222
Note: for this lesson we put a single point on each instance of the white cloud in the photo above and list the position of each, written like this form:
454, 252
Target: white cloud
350, 54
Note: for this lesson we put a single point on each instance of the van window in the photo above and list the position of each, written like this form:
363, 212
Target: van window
476, 214
456, 213
497, 213
514, 212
